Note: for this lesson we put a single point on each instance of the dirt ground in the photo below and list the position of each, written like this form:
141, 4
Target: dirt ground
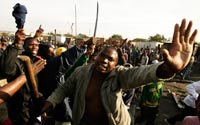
168, 106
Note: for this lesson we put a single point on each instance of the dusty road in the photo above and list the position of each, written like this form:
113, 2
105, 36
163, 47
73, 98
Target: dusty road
168, 107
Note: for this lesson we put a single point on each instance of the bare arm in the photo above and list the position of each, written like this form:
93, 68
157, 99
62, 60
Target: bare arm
38, 32
20, 36
11, 88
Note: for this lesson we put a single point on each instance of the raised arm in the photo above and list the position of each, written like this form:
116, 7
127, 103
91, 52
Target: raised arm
178, 56
20, 36
8, 63
38, 32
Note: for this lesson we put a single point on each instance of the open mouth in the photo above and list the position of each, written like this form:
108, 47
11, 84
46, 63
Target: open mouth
34, 52
102, 67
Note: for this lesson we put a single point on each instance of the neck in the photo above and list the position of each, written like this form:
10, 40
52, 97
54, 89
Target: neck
97, 73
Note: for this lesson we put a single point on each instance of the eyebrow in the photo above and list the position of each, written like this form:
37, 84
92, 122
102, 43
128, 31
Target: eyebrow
107, 56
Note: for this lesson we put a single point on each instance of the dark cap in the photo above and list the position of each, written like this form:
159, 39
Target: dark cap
19, 13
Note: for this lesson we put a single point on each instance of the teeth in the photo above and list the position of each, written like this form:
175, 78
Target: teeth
34, 52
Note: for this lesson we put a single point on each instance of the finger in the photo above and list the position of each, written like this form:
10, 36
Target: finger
22, 33
165, 54
41, 29
176, 34
38, 62
20, 29
41, 63
182, 30
37, 69
192, 38
45, 114
187, 32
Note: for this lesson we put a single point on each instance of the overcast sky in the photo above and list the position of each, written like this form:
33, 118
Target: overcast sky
129, 18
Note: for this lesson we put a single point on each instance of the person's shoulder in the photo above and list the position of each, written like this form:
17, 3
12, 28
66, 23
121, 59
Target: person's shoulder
123, 67
191, 117
191, 120
70, 52
84, 68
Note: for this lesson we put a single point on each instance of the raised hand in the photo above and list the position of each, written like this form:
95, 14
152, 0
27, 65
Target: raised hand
46, 108
39, 32
38, 66
182, 47
20, 36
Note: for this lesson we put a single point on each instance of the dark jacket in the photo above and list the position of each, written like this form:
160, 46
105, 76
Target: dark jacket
53, 75
11, 68
50, 76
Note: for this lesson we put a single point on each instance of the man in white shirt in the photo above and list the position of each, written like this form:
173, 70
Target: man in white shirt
193, 91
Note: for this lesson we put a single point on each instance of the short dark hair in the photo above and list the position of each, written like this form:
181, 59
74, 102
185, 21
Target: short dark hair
109, 47
28, 40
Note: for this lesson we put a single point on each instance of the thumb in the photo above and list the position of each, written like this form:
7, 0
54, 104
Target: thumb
166, 55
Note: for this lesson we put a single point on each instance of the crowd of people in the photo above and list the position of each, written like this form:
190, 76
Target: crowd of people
87, 84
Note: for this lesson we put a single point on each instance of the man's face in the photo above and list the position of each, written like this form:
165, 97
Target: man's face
106, 60
51, 51
90, 49
80, 43
3, 44
33, 47
116, 43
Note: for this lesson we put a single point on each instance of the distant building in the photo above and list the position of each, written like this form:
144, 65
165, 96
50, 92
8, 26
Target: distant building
151, 44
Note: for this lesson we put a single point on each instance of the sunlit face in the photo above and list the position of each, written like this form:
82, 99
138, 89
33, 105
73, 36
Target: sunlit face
51, 51
116, 43
90, 49
93, 58
106, 60
80, 43
33, 47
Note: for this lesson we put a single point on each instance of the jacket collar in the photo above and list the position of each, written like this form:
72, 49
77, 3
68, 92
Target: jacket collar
113, 73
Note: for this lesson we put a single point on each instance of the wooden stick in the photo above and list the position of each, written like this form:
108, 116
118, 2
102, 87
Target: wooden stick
31, 76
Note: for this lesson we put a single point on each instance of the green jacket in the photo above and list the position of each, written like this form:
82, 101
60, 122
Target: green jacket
120, 78
81, 61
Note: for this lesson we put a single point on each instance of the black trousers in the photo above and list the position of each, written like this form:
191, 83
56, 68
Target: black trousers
148, 114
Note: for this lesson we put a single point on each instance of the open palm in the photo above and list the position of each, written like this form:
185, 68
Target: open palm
182, 46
